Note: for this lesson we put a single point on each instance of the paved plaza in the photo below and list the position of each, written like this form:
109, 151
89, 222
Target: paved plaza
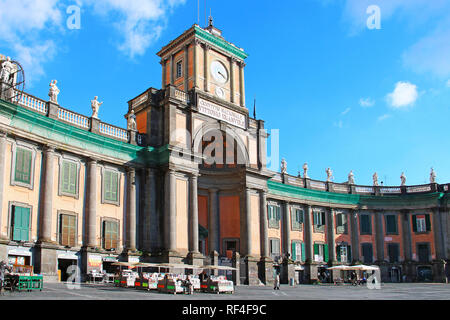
388, 291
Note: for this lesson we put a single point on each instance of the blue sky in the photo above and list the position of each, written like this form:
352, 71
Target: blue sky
342, 95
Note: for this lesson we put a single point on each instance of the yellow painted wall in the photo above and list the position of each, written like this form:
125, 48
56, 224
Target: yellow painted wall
109, 210
20, 194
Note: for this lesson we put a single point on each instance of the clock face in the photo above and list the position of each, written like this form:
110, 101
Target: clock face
219, 72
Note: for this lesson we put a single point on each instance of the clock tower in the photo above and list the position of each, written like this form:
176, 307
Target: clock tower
202, 59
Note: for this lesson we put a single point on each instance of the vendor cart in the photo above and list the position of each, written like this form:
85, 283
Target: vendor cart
218, 284
21, 278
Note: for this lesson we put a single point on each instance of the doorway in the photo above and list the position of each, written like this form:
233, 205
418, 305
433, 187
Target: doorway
63, 268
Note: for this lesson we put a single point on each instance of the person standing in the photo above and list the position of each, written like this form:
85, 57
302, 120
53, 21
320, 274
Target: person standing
276, 281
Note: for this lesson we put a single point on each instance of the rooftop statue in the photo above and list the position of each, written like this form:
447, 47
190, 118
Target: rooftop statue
403, 179
432, 176
95, 104
6, 70
329, 174
132, 121
351, 178
53, 92
283, 166
305, 171
375, 179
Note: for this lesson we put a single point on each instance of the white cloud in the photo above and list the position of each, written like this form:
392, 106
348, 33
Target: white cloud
139, 22
366, 103
431, 53
21, 28
384, 117
404, 95
345, 111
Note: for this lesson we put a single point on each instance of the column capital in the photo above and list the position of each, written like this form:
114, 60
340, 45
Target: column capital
48, 148
2, 134
130, 169
206, 46
213, 190
91, 160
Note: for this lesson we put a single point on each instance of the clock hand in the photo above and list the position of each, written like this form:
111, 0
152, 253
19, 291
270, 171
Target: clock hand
222, 74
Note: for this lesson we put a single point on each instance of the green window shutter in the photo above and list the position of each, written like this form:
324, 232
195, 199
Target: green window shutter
72, 178
428, 222
65, 176
294, 251
316, 248
107, 184
111, 185
115, 181
303, 252
338, 253
349, 253
21, 224
23, 165
325, 252
414, 221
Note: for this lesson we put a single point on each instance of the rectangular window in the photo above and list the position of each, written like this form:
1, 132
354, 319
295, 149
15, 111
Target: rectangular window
24, 158
391, 224
365, 224
67, 230
110, 235
179, 69
297, 254
319, 221
343, 253
320, 252
20, 223
421, 223
297, 219
111, 186
274, 216
274, 248
423, 252
393, 252
341, 223
367, 252
69, 177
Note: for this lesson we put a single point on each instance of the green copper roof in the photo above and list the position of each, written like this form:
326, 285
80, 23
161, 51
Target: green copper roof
410, 200
201, 33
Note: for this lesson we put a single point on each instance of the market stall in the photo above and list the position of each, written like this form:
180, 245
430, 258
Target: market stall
125, 277
178, 283
147, 281
217, 284
21, 278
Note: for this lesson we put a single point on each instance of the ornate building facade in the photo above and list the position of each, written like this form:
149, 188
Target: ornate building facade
187, 182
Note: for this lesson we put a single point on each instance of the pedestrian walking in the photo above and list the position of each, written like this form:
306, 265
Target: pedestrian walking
276, 281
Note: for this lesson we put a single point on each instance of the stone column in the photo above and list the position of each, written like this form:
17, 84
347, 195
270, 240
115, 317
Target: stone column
248, 222
186, 68
264, 225
309, 251
164, 70
194, 214
379, 235
213, 236
310, 271
286, 229
170, 229
206, 58
355, 234
331, 237
406, 228
47, 196
151, 211
3, 234
195, 43
437, 231
242, 83
172, 69
91, 203
232, 61
131, 209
